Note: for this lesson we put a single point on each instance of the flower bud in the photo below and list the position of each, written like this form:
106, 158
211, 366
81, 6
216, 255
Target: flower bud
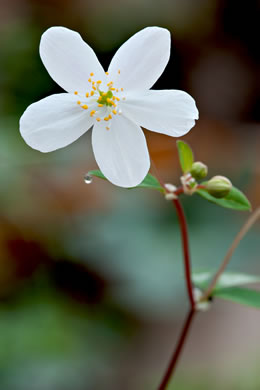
219, 186
199, 170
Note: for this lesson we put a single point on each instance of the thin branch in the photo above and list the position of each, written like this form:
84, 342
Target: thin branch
187, 268
245, 228
177, 352
186, 251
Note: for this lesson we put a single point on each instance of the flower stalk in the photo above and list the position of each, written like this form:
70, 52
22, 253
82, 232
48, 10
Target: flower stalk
185, 248
177, 351
187, 267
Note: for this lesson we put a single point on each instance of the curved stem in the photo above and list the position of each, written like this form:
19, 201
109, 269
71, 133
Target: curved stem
176, 354
187, 266
249, 223
185, 248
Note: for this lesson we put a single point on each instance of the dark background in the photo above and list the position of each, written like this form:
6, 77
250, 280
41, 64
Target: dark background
91, 281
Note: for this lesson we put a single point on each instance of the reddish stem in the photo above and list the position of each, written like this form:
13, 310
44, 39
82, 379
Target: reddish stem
177, 351
180, 190
187, 266
185, 247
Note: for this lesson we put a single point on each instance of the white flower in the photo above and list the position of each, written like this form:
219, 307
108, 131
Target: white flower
116, 103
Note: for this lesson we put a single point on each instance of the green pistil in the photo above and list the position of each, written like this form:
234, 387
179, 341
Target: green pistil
103, 98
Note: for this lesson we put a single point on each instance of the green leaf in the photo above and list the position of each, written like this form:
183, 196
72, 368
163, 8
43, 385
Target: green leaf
227, 279
185, 156
235, 200
149, 181
97, 173
244, 296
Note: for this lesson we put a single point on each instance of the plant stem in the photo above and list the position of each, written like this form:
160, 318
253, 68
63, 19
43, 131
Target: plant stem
186, 251
187, 267
176, 354
249, 223
180, 190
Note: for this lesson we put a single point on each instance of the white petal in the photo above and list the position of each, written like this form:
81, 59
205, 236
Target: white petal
170, 112
54, 122
121, 152
69, 60
141, 60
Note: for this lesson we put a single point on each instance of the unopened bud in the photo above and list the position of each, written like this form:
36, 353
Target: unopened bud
199, 170
219, 186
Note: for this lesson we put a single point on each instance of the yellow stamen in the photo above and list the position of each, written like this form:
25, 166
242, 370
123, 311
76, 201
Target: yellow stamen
91, 74
119, 71
89, 80
87, 94
110, 116
85, 106
79, 102
98, 119
106, 119
94, 88
107, 73
99, 82
92, 93
112, 89
117, 98
92, 112
76, 92
114, 112
117, 90
107, 128
109, 100
122, 89
100, 105
103, 93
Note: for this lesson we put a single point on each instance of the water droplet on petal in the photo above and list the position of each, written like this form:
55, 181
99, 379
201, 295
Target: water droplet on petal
88, 178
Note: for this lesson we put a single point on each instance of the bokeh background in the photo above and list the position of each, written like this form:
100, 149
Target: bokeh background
91, 281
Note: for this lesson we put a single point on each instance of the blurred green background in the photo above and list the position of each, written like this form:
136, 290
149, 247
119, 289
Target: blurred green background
91, 280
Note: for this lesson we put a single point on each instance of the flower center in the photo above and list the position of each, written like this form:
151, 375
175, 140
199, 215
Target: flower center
102, 105
105, 98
